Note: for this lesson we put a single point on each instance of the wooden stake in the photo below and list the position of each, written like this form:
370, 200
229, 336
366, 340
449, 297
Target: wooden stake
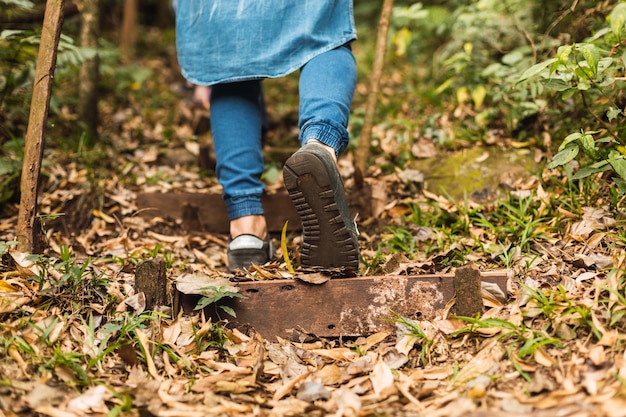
39, 106
469, 300
151, 279
363, 148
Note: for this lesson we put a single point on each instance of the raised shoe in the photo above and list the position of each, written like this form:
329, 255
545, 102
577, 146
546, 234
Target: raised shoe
316, 189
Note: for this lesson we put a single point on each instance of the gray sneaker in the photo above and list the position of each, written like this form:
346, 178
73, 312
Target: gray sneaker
247, 250
316, 189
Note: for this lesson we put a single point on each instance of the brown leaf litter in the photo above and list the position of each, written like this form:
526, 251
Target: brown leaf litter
82, 345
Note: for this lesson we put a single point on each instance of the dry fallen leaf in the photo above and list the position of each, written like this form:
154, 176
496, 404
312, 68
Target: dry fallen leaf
313, 278
543, 358
486, 361
332, 374
202, 284
91, 400
137, 302
6, 287
347, 403
206, 369
26, 265
382, 378
597, 355
312, 391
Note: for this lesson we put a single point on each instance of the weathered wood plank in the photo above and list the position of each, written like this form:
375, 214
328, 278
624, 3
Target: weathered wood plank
207, 212
340, 307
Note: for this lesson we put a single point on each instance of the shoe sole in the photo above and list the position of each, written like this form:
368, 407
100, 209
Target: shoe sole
327, 242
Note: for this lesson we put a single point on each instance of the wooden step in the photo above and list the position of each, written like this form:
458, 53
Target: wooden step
293, 309
206, 212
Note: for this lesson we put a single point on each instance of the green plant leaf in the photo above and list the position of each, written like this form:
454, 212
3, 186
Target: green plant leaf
613, 112
617, 18
401, 41
202, 303
8, 33
591, 55
563, 157
569, 139
229, 310
606, 63
478, 96
531, 345
583, 85
588, 143
556, 84
5, 246
619, 166
563, 53
9, 166
567, 94
271, 173
591, 169
24, 4
535, 70
599, 34
621, 185
218, 294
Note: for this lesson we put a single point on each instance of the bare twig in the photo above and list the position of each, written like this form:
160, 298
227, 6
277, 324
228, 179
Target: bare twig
558, 20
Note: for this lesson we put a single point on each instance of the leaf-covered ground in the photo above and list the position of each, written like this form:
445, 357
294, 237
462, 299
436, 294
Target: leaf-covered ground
76, 341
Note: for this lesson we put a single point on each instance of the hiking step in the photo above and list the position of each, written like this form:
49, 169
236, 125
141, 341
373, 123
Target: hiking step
206, 212
292, 309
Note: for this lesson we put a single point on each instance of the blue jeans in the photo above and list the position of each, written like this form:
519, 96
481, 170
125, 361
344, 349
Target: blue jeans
326, 87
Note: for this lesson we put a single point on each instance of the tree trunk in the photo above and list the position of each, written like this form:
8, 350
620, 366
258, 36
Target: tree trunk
39, 106
128, 36
165, 15
89, 70
363, 148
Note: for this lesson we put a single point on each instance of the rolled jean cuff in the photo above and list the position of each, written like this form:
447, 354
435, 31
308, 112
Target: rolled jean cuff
327, 132
245, 205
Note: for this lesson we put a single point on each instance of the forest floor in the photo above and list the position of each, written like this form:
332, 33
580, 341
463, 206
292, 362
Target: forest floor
77, 341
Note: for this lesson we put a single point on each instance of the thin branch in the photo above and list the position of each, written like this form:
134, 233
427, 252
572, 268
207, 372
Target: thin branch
558, 20
35, 132
363, 148
599, 119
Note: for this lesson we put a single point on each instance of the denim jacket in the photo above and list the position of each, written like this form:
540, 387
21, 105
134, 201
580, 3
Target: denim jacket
234, 40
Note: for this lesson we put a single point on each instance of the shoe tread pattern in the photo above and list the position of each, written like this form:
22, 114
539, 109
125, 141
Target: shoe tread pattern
327, 242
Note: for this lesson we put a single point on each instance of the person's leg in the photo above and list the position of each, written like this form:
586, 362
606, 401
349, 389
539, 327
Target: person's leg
327, 85
236, 122
201, 96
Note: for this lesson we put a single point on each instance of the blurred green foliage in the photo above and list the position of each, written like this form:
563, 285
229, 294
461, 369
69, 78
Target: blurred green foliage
516, 67
525, 68
591, 73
